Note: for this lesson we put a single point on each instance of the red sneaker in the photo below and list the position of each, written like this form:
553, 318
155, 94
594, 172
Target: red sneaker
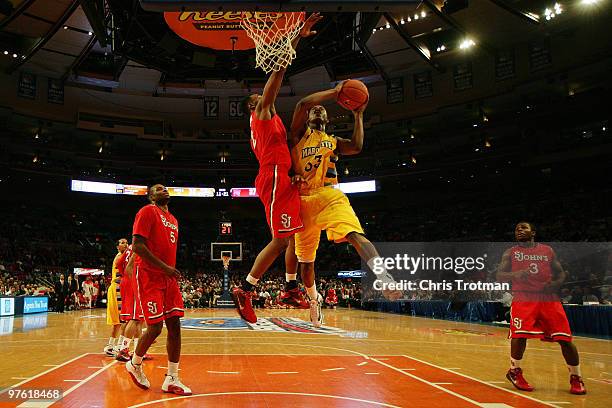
577, 385
515, 376
295, 298
242, 300
123, 355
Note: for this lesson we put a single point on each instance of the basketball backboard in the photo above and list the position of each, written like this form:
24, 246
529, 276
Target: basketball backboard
219, 249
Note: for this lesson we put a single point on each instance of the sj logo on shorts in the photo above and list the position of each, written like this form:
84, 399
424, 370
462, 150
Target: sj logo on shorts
517, 323
152, 307
286, 220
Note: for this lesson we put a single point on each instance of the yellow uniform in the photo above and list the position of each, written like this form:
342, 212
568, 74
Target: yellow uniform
323, 206
112, 302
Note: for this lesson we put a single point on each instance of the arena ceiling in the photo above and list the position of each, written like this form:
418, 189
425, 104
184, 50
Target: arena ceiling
102, 39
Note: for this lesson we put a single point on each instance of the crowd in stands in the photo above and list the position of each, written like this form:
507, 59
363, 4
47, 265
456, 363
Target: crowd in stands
35, 248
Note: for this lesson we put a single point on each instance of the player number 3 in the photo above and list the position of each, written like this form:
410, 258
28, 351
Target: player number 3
533, 268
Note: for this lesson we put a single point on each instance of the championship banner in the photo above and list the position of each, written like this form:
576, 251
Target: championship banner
55, 91
26, 87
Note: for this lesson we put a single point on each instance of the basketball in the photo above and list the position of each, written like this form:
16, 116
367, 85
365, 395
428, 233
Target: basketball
353, 95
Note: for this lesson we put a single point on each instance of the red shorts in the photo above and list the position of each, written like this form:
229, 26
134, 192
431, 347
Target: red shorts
539, 320
130, 302
281, 200
160, 296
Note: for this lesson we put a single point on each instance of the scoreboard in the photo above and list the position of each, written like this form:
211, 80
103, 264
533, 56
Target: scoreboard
225, 228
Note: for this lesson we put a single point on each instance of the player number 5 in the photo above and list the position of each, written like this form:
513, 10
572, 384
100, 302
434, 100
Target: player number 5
172, 237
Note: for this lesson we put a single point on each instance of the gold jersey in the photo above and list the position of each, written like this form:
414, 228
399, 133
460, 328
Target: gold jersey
315, 159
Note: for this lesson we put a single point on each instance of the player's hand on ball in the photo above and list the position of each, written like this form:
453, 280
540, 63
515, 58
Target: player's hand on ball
306, 30
338, 88
361, 109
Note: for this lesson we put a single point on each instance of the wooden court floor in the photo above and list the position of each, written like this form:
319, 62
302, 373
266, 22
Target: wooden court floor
369, 360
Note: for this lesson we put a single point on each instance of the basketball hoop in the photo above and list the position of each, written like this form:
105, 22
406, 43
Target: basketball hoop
272, 34
226, 261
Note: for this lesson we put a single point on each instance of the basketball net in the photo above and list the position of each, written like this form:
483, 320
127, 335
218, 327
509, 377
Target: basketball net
273, 37
226, 261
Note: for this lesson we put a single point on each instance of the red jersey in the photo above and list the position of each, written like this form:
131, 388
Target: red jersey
160, 229
269, 141
124, 259
538, 260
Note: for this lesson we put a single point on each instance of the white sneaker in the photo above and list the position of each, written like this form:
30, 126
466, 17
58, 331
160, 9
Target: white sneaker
316, 314
175, 386
109, 351
138, 375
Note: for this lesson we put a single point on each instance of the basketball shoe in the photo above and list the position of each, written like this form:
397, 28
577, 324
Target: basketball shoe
123, 355
294, 298
242, 301
316, 314
138, 376
109, 350
175, 386
515, 375
577, 385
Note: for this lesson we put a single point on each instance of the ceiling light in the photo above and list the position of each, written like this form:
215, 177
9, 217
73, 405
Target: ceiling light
89, 33
35, 159
100, 149
423, 14
388, 25
5, 52
65, 27
346, 171
413, 159
403, 21
487, 143
14, 55
589, 2
467, 43
416, 16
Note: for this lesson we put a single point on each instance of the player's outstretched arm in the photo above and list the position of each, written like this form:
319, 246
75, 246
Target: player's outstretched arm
265, 109
348, 147
139, 245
